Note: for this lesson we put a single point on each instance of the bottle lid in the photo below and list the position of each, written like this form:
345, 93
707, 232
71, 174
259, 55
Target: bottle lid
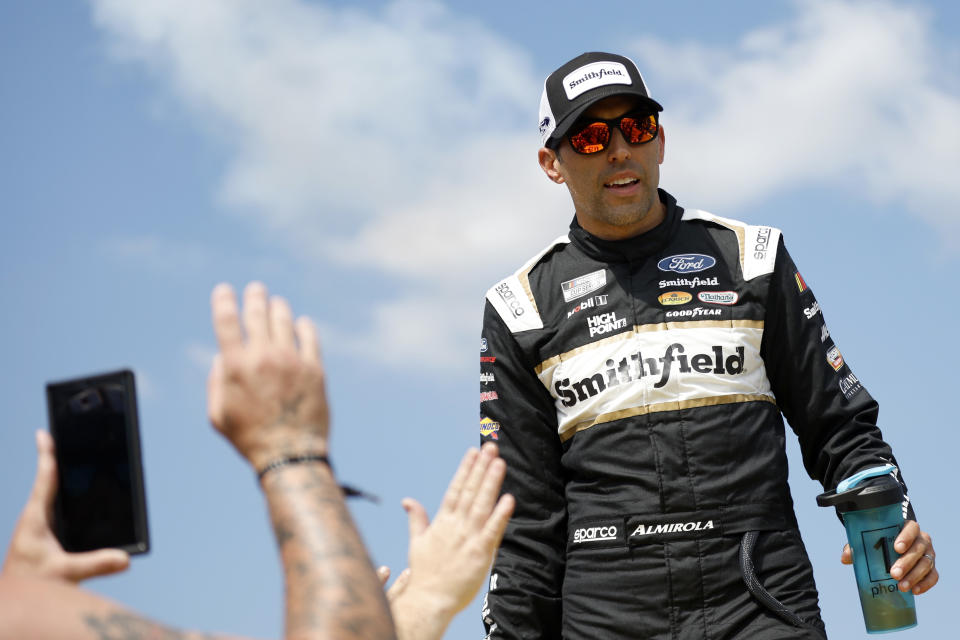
867, 489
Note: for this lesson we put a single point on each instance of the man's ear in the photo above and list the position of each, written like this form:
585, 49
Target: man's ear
550, 163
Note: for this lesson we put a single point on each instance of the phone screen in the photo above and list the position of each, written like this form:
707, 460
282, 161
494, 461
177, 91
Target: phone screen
100, 498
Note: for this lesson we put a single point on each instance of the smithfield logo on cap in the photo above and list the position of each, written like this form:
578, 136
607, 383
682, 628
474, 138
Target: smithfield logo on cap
593, 75
687, 263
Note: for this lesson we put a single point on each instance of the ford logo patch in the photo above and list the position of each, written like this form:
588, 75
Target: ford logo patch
687, 263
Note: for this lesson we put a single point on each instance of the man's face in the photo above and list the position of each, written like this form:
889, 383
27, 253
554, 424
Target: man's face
614, 191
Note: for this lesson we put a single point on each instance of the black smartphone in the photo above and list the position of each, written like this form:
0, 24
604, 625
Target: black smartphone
100, 496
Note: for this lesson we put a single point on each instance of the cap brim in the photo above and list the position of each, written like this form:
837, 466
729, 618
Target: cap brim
603, 92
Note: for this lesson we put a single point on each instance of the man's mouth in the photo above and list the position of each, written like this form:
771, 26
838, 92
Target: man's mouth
621, 183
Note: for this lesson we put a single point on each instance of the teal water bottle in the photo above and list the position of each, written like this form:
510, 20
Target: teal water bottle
870, 505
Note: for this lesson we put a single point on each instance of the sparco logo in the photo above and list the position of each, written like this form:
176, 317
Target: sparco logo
604, 323
594, 534
761, 243
508, 296
672, 527
687, 263
635, 367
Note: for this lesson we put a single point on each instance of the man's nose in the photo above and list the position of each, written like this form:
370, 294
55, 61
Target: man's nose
619, 149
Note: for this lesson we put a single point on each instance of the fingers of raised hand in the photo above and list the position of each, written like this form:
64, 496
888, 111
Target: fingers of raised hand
256, 313
496, 524
226, 320
417, 517
281, 324
307, 339
454, 490
487, 493
474, 481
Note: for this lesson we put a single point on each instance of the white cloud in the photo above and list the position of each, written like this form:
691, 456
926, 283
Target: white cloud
846, 93
402, 139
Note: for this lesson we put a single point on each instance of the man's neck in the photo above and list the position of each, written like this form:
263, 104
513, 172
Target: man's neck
607, 231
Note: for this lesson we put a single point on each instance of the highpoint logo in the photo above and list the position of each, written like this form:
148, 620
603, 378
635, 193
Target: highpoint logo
605, 323
635, 367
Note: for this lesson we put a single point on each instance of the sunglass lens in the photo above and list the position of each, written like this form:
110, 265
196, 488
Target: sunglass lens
638, 130
592, 138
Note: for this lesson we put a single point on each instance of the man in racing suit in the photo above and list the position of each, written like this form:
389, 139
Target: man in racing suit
634, 374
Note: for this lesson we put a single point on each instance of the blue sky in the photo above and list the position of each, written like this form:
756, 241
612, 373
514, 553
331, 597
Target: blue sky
375, 163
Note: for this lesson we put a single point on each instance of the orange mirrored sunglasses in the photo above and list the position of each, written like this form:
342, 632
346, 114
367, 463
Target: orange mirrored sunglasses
593, 135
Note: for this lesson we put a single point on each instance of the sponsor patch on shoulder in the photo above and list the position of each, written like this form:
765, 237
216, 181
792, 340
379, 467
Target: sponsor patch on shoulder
489, 428
483, 345
487, 396
835, 358
850, 385
581, 286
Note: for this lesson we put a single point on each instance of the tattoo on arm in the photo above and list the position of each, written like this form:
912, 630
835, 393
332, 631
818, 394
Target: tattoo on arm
123, 625
331, 586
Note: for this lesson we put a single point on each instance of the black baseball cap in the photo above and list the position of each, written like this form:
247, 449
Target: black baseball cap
571, 89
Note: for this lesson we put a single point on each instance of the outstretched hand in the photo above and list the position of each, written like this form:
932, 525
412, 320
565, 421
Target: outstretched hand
266, 388
916, 568
450, 557
34, 549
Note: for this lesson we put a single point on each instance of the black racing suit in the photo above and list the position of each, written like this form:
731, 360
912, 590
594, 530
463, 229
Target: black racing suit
635, 389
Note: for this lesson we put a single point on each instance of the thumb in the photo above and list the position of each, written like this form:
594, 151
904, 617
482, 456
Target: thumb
846, 556
90, 564
417, 515
399, 585
215, 391
45, 483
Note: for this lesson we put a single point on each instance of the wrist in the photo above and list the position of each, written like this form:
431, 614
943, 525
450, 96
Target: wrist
417, 603
293, 459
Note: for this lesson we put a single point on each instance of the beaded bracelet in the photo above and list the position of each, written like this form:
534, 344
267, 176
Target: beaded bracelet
298, 459
348, 491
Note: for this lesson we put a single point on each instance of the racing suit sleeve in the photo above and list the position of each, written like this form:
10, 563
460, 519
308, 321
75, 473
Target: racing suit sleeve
517, 413
834, 417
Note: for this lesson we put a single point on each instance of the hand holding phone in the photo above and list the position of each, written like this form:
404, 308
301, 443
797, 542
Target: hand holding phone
34, 550
100, 500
